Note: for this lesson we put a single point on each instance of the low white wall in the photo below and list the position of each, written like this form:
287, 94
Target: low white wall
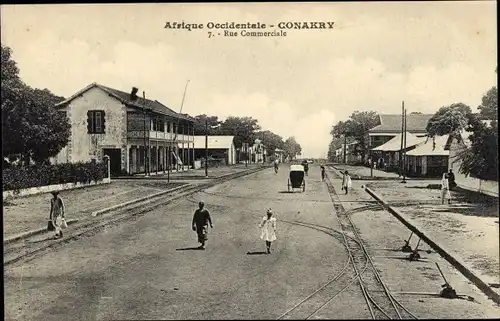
477, 185
50, 188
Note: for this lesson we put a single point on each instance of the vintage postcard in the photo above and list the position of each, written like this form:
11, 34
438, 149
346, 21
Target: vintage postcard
315, 160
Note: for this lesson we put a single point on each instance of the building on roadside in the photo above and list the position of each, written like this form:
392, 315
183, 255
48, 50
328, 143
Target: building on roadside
138, 136
388, 153
390, 126
258, 152
279, 154
220, 148
428, 159
456, 145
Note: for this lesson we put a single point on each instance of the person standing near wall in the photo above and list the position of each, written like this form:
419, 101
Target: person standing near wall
445, 189
451, 180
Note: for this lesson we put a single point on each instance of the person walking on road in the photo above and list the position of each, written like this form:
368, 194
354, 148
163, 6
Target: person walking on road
346, 182
276, 165
268, 229
201, 219
57, 210
445, 189
322, 173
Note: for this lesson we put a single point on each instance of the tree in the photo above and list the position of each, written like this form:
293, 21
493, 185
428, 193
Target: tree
243, 128
489, 106
449, 119
31, 126
291, 148
270, 140
356, 127
480, 160
213, 123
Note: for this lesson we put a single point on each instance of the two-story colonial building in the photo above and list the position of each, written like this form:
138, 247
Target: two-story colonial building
390, 126
139, 135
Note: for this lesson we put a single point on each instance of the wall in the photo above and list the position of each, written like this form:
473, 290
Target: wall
469, 183
84, 146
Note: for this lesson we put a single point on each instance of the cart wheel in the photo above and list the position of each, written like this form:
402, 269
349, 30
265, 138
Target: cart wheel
288, 185
304, 187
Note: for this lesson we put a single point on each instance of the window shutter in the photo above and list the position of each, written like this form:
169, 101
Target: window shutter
103, 121
90, 124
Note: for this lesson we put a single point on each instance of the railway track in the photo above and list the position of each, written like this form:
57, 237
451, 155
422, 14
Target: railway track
27, 249
380, 302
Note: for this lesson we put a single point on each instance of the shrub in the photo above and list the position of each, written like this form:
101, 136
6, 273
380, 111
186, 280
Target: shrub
15, 178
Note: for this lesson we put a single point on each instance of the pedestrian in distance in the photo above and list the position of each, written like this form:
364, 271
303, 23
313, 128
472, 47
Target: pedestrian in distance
323, 173
57, 212
276, 165
268, 229
451, 180
201, 219
445, 189
346, 182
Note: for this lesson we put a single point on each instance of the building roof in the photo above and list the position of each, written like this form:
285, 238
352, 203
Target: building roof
394, 144
431, 147
124, 98
392, 123
214, 142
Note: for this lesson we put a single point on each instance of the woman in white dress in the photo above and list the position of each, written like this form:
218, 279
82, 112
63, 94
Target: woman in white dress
346, 182
268, 229
445, 189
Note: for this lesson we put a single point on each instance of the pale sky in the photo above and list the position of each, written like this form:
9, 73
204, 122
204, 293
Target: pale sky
378, 54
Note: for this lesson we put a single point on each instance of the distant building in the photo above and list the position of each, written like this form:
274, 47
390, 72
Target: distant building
390, 126
104, 121
279, 154
219, 148
429, 158
386, 156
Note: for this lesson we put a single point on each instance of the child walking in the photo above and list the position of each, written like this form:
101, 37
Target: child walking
268, 229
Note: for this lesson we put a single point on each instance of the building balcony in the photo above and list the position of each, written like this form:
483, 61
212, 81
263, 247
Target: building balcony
139, 134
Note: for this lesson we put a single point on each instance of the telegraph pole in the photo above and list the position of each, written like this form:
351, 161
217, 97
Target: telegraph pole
402, 134
345, 150
206, 147
404, 151
146, 164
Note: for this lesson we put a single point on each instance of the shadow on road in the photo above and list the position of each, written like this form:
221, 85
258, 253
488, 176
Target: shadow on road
190, 249
256, 253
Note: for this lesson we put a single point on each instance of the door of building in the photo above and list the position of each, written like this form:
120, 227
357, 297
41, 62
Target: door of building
115, 160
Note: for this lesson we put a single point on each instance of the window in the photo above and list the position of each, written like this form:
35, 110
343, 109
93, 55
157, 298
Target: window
95, 122
168, 127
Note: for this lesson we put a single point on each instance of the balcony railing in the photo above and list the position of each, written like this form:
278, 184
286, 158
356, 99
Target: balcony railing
160, 135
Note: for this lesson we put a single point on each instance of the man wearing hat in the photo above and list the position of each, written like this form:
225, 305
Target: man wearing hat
201, 219
57, 213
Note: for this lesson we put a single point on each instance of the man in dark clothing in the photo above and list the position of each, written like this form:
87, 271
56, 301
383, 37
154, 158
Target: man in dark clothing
201, 219
322, 172
451, 180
